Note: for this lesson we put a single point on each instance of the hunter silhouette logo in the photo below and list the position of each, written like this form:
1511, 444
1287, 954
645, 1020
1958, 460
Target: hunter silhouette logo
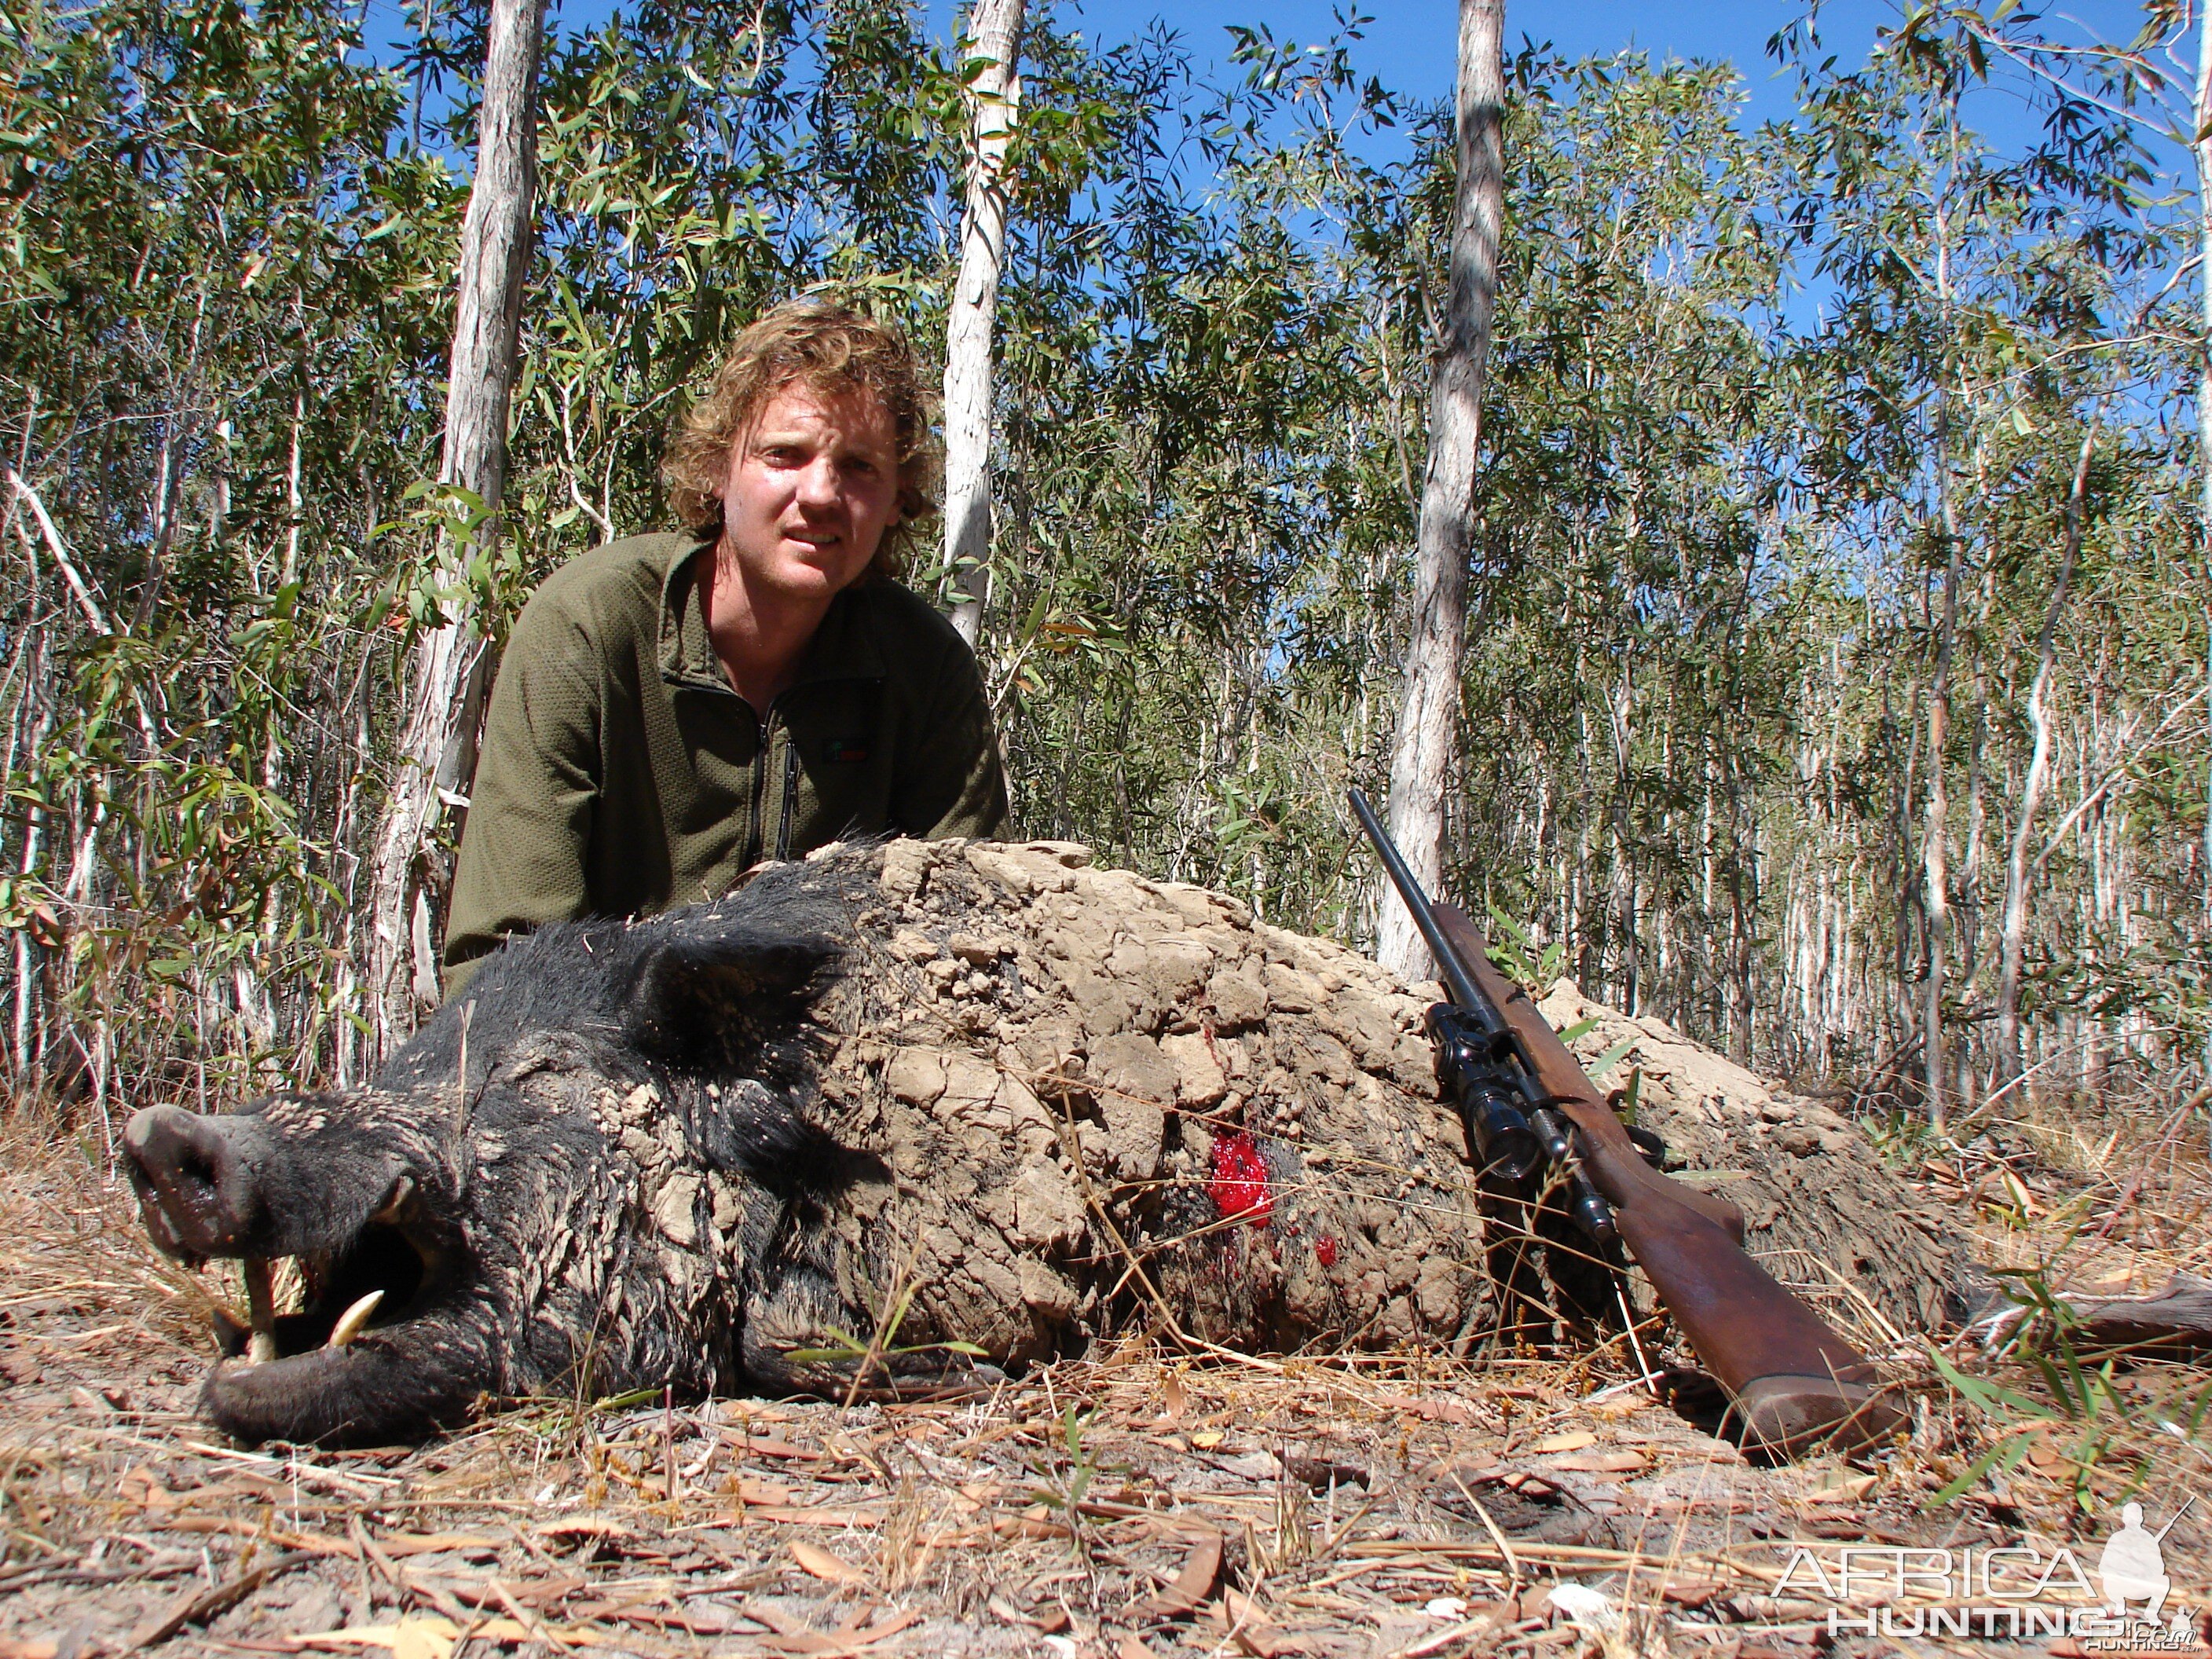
2133, 1565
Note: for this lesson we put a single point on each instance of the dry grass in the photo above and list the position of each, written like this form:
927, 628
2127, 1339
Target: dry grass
1140, 1504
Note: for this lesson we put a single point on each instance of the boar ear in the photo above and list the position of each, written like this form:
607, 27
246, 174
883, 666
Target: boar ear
720, 992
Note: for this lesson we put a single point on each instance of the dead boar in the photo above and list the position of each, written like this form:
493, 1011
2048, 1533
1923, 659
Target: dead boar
1021, 1097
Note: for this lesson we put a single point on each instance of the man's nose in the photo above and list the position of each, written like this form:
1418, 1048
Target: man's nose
818, 482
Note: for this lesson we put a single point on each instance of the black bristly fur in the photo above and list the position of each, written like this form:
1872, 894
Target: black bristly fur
719, 989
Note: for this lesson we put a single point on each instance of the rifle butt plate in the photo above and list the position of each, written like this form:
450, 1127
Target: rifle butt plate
1786, 1414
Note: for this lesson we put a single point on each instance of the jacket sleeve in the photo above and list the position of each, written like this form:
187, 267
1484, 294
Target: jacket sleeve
537, 785
952, 783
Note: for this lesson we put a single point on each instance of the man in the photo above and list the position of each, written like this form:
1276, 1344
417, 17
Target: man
673, 710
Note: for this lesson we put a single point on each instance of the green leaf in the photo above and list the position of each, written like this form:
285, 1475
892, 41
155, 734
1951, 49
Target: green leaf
2003, 1457
1998, 1401
1611, 1058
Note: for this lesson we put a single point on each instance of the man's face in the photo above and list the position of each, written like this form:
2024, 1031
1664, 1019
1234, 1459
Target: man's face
813, 484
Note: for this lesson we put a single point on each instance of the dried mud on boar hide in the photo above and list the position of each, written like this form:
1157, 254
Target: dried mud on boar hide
987, 1093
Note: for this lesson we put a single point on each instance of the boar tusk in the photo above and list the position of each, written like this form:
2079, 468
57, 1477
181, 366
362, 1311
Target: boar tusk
401, 1191
260, 1311
351, 1320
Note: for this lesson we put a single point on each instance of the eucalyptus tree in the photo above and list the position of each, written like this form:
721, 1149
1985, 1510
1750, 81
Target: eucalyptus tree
1184, 366
450, 674
1422, 761
2113, 108
991, 49
1623, 688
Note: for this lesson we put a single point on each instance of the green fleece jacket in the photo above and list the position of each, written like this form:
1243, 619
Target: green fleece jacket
622, 772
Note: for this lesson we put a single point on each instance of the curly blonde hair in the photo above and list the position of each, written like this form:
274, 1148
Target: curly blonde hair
830, 350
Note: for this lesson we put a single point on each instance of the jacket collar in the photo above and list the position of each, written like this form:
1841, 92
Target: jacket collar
843, 647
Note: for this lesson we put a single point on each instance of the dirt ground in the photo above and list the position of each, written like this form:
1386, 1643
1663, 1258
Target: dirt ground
1139, 1503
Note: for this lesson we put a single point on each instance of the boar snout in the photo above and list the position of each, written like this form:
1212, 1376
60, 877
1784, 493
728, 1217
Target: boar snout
198, 1196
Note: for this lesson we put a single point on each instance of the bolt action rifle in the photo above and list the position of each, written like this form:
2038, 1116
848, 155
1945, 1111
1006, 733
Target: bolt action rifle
1792, 1383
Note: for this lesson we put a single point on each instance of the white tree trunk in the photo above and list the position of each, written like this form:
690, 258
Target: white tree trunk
448, 672
1423, 760
992, 51
1935, 842
2013, 944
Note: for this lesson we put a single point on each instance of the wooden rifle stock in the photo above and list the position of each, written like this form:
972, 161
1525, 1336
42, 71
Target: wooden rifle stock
1792, 1382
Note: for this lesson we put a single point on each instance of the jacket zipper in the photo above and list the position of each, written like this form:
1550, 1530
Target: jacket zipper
757, 836
790, 797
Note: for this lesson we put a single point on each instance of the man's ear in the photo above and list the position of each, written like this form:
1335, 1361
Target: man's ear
911, 504
721, 994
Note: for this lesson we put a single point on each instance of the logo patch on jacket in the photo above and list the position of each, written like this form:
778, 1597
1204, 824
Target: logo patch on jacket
847, 751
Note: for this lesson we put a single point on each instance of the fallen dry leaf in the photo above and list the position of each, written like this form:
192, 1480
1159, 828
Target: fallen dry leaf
1842, 1487
1191, 1585
1435, 1410
428, 1637
1250, 1627
1572, 1440
424, 1638
1617, 1462
795, 1636
749, 1490
142, 1488
403, 1543
822, 1565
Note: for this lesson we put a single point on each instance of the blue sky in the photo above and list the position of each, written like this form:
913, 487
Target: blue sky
1410, 44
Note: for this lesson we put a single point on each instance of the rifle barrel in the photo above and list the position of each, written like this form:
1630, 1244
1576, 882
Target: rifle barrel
2176, 1522
1464, 991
